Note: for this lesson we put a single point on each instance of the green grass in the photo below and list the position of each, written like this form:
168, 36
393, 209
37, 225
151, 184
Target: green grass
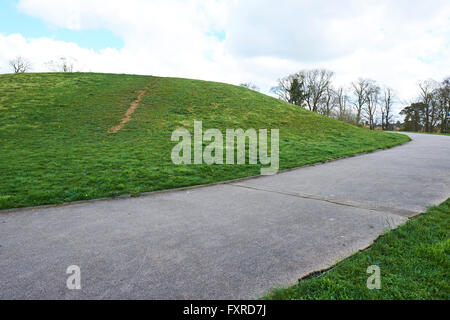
414, 261
55, 146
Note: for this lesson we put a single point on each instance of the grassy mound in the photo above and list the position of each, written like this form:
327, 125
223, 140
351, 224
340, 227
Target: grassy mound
56, 146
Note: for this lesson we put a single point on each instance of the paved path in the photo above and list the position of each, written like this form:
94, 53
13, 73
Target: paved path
226, 241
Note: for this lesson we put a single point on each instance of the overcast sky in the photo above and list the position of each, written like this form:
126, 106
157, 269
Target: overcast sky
395, 42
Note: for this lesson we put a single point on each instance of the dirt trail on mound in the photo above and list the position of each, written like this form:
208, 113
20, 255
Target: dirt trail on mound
130, 111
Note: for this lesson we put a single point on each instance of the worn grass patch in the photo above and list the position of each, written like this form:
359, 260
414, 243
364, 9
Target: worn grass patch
56, 145
414, 261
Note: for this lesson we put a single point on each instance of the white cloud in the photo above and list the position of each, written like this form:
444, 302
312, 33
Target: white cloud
395, 42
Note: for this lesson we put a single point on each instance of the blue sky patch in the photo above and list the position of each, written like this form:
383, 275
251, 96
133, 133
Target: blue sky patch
219, 34
13, 21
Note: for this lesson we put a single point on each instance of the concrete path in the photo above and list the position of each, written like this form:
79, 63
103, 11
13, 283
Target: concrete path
226, 241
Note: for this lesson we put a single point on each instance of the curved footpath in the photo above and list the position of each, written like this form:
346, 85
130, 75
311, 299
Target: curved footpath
226, 241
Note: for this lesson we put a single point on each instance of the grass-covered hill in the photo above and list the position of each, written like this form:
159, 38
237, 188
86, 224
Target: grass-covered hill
56, 143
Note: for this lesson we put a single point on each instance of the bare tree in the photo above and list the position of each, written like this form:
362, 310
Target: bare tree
282, 90
249, 85
341, 100
427, 88
386, 108
443, 97
62, 64
291, 89
20, 64
328, 102
306, 88
359, 89
372, 93
317, 81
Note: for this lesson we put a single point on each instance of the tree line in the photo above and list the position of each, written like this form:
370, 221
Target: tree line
430, 111
60, 64
364, 102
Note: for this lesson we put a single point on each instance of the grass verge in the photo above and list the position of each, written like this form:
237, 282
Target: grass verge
414, 260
